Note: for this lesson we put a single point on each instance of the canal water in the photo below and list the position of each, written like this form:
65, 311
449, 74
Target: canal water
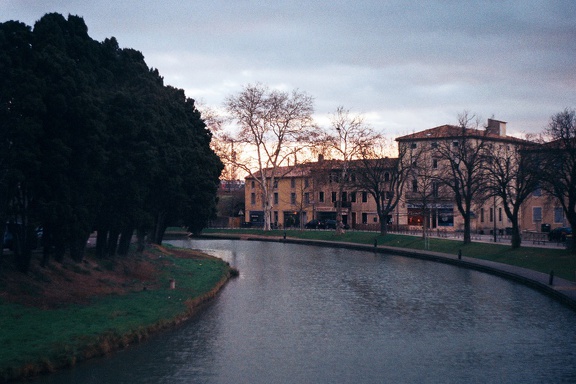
304, 314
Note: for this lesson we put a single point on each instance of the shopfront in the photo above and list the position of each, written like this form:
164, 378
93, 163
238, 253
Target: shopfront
437, 215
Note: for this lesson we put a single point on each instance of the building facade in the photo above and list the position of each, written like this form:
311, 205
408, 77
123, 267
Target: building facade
312, 191
319, 190
428, 202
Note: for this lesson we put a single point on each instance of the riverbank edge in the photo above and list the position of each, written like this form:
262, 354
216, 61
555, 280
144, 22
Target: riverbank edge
110, 343
559, 289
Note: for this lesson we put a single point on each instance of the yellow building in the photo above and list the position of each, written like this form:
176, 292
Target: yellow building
311, 191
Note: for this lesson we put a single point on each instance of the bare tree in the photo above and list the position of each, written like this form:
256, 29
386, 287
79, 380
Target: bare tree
513, 171
345, 140
271, 126
222, 143
383, 178
425, 187
559, 163
464, 174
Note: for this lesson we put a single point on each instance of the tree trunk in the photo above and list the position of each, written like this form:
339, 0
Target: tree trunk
125, 240
112, 243
383, 224
77, 248
101, 236
22, 253
46, 245
141, 240
45, 257
267, 214
516, 238
467, 237
59, 251
159, 228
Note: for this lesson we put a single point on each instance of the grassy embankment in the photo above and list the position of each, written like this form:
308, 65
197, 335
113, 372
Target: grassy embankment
559, 260
36, 340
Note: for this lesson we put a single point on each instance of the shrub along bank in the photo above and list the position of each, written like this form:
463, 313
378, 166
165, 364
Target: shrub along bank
119, 302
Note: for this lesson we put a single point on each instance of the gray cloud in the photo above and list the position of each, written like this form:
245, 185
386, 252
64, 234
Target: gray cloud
406, 65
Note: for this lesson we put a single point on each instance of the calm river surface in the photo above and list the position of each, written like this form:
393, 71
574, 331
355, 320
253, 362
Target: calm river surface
303, 314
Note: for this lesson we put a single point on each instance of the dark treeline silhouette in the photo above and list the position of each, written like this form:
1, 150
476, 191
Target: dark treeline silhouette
92, 139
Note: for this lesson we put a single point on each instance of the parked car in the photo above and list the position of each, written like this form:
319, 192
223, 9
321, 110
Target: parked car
315, 224
559, 234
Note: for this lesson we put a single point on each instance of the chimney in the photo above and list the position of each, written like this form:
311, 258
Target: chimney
496, 127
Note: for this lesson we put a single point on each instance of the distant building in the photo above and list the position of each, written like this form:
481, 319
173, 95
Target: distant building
312, 191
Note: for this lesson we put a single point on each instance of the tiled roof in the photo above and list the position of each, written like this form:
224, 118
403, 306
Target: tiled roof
306, 169
450, 131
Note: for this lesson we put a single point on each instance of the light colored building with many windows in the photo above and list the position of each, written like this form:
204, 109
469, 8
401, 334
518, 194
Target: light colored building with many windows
314, 191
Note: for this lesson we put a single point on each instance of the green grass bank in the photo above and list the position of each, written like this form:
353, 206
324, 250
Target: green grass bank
544, 260
36, 340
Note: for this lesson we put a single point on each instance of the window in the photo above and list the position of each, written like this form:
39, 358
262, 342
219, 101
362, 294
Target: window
500, 214
434, 144
389, 195
344, 196
353, 197
292, 183
306, 182
275, 184
491, 214
321, 197
333, 197
536, 214
275, 198
364, 218
414, 185
306, 198
435, 189
292, 198
413, 145
252, 184
386, 176
364, 197
481, 215
435, 164
253, 198
558, 215
455, 144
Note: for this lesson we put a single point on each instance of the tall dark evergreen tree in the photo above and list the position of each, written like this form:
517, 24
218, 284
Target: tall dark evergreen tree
21, 109
93, 139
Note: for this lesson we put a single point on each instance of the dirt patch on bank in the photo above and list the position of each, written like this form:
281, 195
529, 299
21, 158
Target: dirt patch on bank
69, 282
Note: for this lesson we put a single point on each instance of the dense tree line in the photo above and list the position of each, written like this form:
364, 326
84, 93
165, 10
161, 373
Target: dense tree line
92, 139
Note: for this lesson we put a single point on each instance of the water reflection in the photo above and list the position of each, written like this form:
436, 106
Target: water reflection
300, 314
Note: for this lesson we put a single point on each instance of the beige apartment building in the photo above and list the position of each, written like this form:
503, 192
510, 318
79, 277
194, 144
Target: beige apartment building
314, 191
310, 191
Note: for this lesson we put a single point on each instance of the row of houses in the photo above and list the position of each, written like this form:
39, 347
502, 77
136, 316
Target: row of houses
315, 190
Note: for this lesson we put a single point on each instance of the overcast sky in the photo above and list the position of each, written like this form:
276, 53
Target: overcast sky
405, 65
